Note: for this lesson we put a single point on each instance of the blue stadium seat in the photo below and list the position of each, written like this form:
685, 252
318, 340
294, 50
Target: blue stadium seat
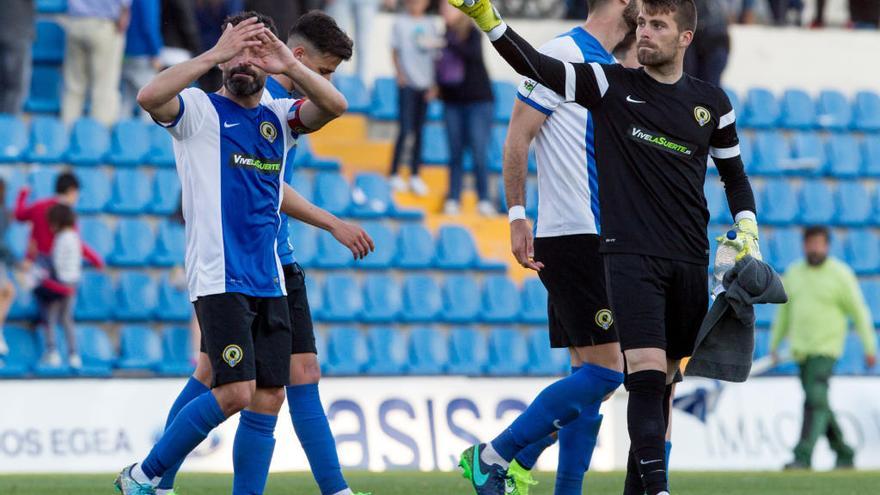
89, 143
331, 254
388, 354
435, 111
161, 153
316, 299
98, 355
808, 150
305, 157
343, 299
871, 291
422, 301
867, 111
779, 204
415, 247
332, 193
49, 140
772, 155
94, 190
17, 237
131, 192
165, 196
133, 243
871, 153
170, 247
354, 91
97, 235
95, 297
844, 156
136, 297
508, 352
852, 362
736, 103
496, 148
456, 250
428, 352
382, 299
302, 183
13, 139
23, 352
304, 239
461, 299
534, 302
798, 110
762, 108
177, 350
716, 199
505, 94
817, 203
129, 143
747, 151
384, 99
765, 314
863, 251
372, 199
140, 348
42, 182
834, 111
45, 93
386, 246
853, 204
544, 361
172, 303
43, 370
531, 198
15, 179
435, 144
51, 6
347, 352
468, 352
500, 300
785, 248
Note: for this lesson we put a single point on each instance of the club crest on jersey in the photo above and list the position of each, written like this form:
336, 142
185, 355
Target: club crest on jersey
604, 318
529, 86
702, 115
268, 131
232, 354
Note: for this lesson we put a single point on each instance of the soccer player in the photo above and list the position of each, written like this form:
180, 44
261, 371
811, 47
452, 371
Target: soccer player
231, 152
655, 128
317, 41
566, 251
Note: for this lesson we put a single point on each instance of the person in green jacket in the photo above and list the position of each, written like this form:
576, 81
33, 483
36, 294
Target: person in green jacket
823, 294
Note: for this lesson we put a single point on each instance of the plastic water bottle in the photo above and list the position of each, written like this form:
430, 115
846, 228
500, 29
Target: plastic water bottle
725, 258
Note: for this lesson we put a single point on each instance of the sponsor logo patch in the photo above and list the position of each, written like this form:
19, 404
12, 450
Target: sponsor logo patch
264, 165
659, 141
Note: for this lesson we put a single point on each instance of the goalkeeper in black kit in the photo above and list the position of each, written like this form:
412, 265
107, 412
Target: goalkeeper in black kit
655, 128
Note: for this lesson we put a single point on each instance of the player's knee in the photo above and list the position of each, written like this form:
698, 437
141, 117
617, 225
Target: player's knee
203, 370
233, 397
268, 401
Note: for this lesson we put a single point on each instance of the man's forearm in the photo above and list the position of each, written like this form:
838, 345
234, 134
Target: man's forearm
328, 102
298, 207
170, 82
515, 170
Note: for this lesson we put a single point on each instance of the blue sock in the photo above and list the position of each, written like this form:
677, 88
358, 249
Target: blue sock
556, 406
576, 443
252, 452
528, 456
313, 430
668, 452
186, 432
191, 390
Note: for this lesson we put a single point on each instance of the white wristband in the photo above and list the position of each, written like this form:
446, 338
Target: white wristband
517, 212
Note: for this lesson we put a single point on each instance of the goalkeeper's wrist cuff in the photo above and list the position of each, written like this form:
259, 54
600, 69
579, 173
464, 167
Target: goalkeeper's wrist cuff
497, 32
745, 215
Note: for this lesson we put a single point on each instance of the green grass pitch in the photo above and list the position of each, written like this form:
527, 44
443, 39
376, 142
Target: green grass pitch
409, 483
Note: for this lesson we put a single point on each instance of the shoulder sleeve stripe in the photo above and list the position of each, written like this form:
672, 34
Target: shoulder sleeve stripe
176, 119
601, 80
727, 119
534, 104
724, 153
570, 82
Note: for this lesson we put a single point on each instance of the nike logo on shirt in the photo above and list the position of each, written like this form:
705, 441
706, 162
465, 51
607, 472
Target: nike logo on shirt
650, 462
227, 125
630, 99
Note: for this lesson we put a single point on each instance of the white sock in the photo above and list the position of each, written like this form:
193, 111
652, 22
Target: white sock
489, 456
163, 491
347, 491
138, 474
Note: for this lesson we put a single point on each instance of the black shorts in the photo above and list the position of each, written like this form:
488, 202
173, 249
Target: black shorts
246, 338
577, 304
302, 330
657, 302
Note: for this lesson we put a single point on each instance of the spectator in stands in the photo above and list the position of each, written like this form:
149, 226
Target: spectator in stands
414, 43
707, 57
42, 236
864, 14
210, 15
283, 13
143, 42
822, 293
358, 17
7, 260
466, 92
57, 290
93, 58
819, 16
17, 19
180, 32
786, 12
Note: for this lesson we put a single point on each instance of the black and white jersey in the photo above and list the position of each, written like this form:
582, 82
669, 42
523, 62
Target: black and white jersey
652, 142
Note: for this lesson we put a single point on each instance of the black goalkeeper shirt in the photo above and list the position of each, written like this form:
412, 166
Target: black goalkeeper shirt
652, 141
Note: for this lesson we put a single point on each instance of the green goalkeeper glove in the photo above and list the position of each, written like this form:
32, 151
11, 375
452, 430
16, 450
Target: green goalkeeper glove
747, 234
481, 11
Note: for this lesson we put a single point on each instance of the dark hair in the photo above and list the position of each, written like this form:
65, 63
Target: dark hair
65, 182
592, 5
817, 230
685, 11
61, 216
234, 19
625, 44
323, 33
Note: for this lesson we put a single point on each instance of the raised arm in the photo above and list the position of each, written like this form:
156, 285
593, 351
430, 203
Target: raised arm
349, 235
